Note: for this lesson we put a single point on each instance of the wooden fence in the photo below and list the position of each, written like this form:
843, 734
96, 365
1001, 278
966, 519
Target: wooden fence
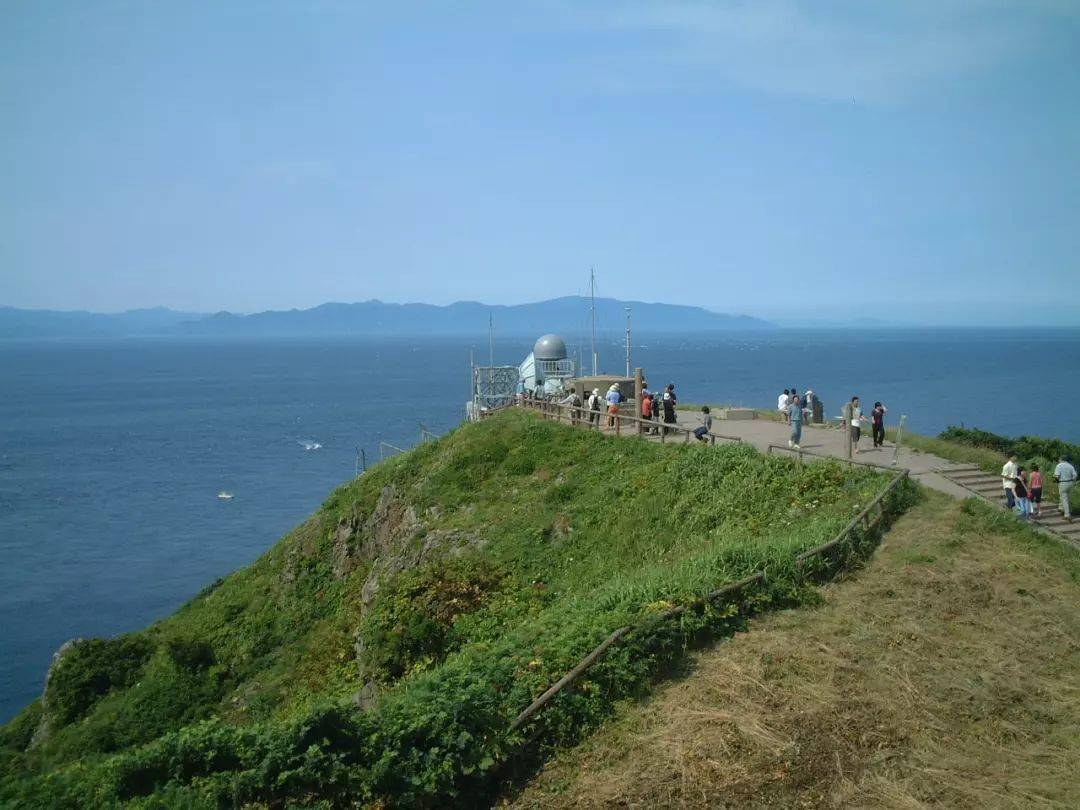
618, 424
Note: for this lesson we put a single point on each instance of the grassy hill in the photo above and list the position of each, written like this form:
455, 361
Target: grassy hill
945, 673
378, 653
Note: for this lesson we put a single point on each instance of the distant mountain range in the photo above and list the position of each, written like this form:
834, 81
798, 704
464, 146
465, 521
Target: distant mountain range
568, 315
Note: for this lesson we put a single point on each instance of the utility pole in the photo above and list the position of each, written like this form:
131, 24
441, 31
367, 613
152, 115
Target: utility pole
491, 352
592, 318
628, 342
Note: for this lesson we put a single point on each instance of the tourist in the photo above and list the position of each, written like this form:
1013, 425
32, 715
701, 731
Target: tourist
795, 419
573, 401
648, 410
613, 397
1035, 487
701, 432
594, 407
782, 403
1008, 476
877, 424
1065, 475
669, 401
1020, 493
857, 418
808, 405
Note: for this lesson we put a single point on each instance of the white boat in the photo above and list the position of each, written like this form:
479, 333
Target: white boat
224, 496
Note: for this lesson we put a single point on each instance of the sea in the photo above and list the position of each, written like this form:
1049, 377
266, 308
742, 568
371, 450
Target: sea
113, 452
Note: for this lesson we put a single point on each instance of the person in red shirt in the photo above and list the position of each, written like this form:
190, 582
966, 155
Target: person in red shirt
1035, 485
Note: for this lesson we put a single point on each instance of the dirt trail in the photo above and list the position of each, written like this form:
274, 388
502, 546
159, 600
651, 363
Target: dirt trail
945, 673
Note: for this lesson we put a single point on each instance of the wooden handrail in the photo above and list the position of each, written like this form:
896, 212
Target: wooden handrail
582, 416
800, 451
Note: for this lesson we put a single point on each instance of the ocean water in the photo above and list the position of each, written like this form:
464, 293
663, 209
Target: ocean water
112, 452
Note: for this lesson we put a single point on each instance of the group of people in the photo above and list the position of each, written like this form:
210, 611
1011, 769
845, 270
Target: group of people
1023, 489
797, 409
653, 405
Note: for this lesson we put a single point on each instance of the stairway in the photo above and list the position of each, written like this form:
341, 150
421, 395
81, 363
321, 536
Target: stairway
988, 486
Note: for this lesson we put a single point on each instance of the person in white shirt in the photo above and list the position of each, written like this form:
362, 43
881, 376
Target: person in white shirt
782, 402
1008, 481
1065, 475
855, 414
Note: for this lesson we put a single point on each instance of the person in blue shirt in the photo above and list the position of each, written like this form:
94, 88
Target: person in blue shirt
614, 397
706, 425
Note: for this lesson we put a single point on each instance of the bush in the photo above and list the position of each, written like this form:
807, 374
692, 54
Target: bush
1024, 447
412, 622
89, 671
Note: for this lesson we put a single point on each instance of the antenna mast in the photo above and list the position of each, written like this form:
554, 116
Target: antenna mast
592, 318
627, 340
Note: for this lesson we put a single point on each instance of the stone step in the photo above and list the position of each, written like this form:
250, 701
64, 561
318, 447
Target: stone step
962, 468
1057, 523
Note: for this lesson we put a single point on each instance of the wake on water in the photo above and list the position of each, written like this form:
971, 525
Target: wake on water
309, 445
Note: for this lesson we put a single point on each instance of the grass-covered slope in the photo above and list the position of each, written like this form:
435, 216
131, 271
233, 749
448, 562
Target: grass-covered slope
380, 650
945, 674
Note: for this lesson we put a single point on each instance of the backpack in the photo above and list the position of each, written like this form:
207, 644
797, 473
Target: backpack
594, 402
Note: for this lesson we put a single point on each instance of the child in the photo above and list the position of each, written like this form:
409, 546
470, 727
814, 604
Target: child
702, 432
1035, 483
1023, 503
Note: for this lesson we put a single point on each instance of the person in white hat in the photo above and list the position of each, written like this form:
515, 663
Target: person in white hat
594, 407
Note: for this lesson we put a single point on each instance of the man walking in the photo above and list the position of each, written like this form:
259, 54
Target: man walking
1008, 481
1065, 475
795, 417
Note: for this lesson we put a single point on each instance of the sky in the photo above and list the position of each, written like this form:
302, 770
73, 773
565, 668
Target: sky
808, 161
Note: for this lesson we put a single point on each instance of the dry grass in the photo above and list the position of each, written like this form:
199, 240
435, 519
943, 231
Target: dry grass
945, 673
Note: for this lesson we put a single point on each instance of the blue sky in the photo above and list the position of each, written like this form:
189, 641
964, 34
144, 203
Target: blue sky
915, 161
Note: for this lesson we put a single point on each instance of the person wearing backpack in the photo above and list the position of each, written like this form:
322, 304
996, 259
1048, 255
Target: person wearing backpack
594, 407
669, 403
574, 401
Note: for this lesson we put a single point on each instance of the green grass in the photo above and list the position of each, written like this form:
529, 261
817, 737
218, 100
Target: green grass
525, 543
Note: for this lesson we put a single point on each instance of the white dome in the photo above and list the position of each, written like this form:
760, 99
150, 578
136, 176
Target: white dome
550, 347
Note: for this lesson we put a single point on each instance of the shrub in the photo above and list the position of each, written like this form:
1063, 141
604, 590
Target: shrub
412, 621
90, 670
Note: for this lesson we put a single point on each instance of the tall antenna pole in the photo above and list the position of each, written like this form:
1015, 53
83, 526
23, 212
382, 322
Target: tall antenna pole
491, 352
628, 341
592, 318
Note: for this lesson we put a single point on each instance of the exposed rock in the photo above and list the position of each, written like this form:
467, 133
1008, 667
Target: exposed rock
344, 551
392, 521
292, 564
453, 543
44, 730
367, 696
